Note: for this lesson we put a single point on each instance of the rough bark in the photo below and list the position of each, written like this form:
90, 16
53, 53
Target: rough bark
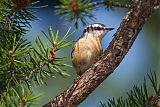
126, 34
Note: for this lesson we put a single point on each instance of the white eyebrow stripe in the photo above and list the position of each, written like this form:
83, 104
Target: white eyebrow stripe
95, 25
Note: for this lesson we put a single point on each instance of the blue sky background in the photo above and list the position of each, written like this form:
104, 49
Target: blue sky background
139, 61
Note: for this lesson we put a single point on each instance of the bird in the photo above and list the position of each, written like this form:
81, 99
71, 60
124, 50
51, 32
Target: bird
88, 47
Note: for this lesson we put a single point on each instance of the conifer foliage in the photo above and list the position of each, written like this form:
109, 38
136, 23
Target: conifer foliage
21, 63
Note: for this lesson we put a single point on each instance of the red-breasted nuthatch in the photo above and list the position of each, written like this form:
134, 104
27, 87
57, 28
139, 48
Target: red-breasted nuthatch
88, 47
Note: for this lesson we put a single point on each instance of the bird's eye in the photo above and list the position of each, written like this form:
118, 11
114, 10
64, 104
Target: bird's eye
95, 28
98, 28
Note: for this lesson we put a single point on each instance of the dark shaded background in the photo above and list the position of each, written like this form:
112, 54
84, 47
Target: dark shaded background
142, 58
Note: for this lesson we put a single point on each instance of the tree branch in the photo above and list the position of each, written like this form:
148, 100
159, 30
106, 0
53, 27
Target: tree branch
126, 34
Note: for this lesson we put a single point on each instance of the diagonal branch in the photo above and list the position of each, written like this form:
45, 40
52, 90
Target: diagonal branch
126, 34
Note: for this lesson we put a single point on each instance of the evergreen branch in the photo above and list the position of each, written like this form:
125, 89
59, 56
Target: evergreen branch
20, 62
108, 3
125, 36
75, 11
12, 12
17, 18
44, 59
34, 70
153, 101
79, 10
19, 96
5, 21
138, 96
12, 63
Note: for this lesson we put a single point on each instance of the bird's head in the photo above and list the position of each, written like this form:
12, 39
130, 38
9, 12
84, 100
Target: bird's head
96, 29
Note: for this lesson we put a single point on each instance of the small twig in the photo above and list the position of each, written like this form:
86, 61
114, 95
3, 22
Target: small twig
29, 73
50, 59
10, 64
109, 3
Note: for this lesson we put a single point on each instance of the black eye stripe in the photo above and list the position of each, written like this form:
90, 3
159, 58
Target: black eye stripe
95, 27
91, 28
99, 28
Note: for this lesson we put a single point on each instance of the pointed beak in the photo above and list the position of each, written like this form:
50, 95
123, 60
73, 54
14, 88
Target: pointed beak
109, 29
